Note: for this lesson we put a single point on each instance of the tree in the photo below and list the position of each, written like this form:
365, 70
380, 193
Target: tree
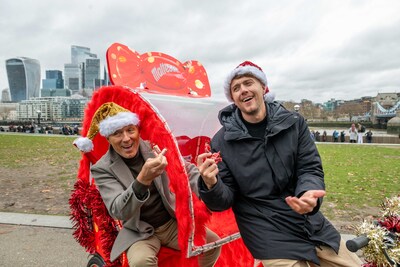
5, 113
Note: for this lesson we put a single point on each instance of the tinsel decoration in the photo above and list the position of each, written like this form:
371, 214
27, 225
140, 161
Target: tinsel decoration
81, 216
391, 207
106, 226
389, 223
87, 208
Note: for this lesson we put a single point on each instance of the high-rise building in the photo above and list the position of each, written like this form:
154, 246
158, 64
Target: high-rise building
23, 78
106, 80
54, 80
53, 85
73, 76
77, 68
5, 95
92, 73
80, 53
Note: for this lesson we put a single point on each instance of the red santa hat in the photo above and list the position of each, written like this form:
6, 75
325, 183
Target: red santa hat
248, 67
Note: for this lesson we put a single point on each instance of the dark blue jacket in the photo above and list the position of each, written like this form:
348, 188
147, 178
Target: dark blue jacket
255, 176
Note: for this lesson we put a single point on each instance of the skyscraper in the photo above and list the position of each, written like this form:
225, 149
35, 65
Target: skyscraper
106, 78
73, 76
23, 78
54, 80
92, 73
5, 95
76, 70
80, 53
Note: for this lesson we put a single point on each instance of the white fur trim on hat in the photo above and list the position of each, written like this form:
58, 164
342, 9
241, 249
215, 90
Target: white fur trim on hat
269, 97
84, 144
259, 74
111, 124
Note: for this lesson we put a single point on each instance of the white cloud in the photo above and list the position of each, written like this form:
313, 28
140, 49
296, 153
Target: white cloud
315, 50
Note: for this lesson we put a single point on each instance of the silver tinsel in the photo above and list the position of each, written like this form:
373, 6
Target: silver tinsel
376, 233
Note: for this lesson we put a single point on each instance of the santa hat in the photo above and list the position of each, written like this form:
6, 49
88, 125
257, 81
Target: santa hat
248, 67
107, 119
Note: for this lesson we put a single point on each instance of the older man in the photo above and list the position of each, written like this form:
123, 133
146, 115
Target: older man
134, 185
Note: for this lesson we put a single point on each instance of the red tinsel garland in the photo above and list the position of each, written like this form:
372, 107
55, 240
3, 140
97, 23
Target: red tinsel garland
88, 209
391, 223
81, 218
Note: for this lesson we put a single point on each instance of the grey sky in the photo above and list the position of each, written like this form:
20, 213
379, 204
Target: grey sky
315, 50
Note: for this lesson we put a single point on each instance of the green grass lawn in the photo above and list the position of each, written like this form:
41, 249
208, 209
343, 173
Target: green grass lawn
357, 176
18, 151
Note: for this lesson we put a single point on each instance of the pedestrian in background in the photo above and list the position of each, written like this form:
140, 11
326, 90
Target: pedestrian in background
335, 136
317, 136
369, 136
324, 136
361, 131
342, 136
353, 133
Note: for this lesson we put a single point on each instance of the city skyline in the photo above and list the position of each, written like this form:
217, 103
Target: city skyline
308, 50
46, 71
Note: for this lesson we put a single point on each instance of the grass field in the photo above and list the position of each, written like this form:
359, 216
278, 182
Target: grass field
19, 151
357, 177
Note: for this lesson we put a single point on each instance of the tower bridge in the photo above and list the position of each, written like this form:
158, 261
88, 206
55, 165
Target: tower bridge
381, 115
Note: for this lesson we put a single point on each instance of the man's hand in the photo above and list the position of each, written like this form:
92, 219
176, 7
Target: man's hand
306, 203
208, 169
152, 168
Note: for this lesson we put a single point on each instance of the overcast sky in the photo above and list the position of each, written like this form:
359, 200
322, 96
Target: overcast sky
314, 50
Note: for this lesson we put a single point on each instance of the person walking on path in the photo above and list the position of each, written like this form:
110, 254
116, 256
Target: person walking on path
271, 175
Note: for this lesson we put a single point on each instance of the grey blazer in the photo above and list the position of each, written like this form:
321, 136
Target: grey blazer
114, 181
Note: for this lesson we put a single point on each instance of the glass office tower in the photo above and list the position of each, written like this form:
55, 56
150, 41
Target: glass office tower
54, 80
23, 78
76, 70
92, 73
80, 53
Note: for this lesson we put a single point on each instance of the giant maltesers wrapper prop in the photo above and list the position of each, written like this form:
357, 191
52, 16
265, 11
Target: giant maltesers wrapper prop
156, 72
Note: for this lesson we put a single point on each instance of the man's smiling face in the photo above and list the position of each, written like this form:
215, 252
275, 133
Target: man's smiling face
248, 95
125, 141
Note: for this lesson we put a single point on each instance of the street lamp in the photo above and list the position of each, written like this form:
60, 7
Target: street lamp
296, 108
38, 115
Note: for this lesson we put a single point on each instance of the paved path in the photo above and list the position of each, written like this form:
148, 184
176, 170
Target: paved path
42, 240
38, 241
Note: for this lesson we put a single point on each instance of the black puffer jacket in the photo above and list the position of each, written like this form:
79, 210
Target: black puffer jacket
257, 174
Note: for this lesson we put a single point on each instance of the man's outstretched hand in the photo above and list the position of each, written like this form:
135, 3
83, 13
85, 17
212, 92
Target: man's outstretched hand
307, 202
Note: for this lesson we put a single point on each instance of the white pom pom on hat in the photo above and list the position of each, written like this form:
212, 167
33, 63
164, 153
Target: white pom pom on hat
247, 67
107, 119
